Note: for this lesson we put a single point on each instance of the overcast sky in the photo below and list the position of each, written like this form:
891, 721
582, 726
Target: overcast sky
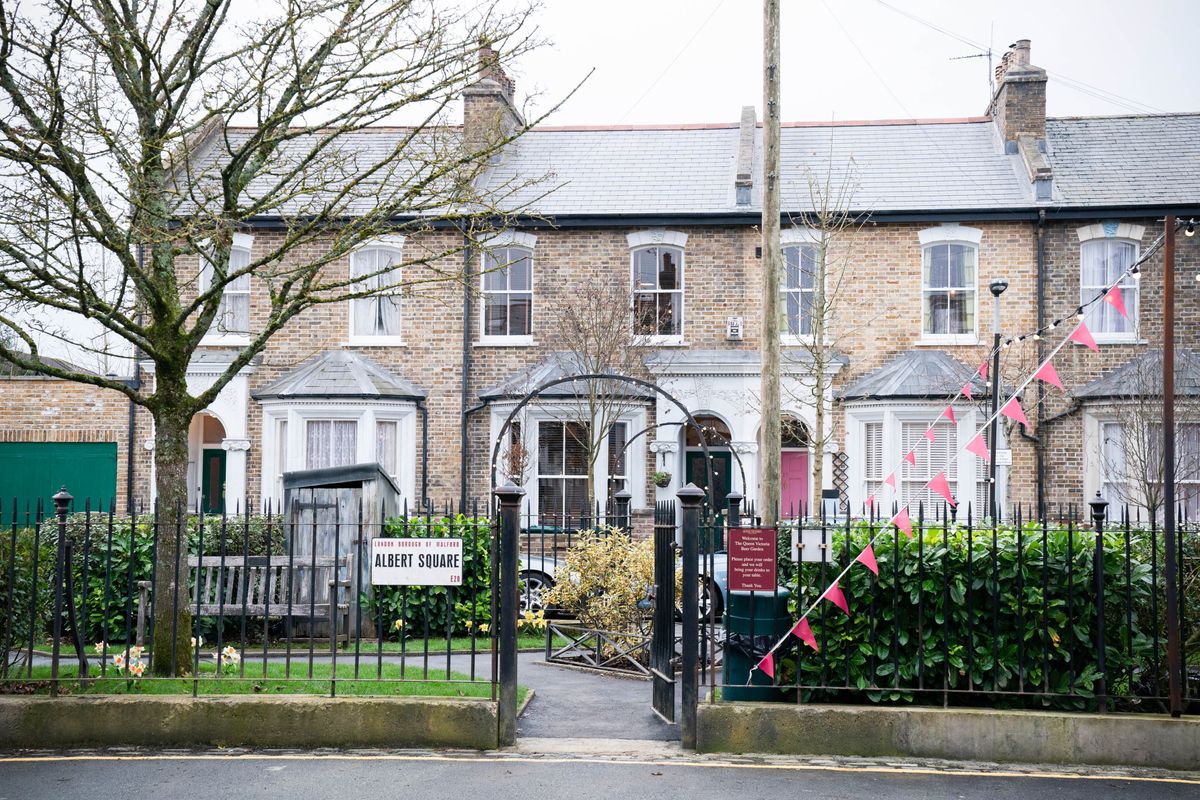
688, 61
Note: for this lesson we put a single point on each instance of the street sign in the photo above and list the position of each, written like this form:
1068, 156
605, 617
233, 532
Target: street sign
751, 559
416, 562
1004, 458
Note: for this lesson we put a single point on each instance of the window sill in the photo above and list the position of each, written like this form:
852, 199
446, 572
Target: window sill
1117, 338
788, 340
225, 340
659, 341
506, 341
375, 341
948, 339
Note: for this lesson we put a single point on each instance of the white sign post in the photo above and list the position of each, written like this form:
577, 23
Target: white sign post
416, 562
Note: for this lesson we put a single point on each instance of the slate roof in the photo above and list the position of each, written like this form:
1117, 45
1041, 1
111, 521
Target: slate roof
340, 374
896, 166
636, 171
1142, 376
915, 374
554, 367
1129, 160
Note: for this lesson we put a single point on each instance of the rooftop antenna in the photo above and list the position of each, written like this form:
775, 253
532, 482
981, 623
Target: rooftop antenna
991, 75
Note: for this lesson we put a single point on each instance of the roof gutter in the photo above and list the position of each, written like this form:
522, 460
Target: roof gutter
466, 371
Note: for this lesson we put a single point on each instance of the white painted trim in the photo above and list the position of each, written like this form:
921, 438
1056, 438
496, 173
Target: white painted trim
655, 339
243, 241
950, 232
656, 236
509, 238
1124, 230
488, 340
392, 240
799, 234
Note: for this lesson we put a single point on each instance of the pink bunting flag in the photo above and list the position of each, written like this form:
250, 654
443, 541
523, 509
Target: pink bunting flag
940, 485
930, 434
867, 559
949, 412
1012, 409
890, 480
802, 631
767, 665
966, 390
1114, 299
902, 521
979, 447
871, 500
911, 457
1084, 337
1049, 374
983, 369
834, 595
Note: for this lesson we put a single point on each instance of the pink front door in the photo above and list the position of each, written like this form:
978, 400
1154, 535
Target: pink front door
794, 472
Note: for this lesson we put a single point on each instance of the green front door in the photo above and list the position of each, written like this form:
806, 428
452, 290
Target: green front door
30, 471
722, 467
212, 481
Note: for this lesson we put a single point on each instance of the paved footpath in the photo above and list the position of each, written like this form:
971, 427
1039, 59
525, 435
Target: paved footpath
596, 770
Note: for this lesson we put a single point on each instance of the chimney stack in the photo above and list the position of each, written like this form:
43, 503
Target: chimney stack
488, 111
1019, 105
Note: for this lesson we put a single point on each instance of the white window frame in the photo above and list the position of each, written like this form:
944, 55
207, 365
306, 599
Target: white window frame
1096, 477
949, 234
642, 240
635, 455
395, 244
366, 413
242, 242
971, 470
797, 236
507, 240
1123, 233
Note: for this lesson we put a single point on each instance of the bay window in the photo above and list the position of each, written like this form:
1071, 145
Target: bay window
562, 472
330, 443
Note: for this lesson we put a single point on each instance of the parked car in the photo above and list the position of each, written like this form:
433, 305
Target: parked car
538, 574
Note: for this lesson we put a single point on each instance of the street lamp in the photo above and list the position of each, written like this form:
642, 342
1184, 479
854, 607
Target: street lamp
997, 286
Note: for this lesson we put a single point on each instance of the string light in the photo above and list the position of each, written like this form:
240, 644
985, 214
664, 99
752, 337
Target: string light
1079, 313
1190, 230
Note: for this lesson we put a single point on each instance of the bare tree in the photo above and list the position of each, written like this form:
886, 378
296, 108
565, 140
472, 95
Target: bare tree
118, 145
818, 273
592, 333
1131, 452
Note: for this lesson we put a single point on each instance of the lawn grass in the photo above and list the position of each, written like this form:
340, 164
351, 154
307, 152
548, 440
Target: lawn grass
409, 682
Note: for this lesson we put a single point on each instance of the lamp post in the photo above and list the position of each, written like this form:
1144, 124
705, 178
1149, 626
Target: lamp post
998, 285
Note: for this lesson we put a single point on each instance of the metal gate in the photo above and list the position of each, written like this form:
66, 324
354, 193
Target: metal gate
662, 637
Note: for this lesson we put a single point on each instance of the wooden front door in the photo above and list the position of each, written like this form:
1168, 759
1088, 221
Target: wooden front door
212, 481
793, 468
722, 467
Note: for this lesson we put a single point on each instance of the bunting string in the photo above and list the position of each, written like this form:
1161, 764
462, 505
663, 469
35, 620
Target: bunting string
1011, 409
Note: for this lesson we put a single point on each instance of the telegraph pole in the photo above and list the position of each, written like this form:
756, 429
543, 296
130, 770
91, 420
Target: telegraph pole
1174, 666
772, 268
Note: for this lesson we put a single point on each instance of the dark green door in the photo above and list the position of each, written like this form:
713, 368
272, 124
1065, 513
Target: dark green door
722, 467
212, 481
30, 471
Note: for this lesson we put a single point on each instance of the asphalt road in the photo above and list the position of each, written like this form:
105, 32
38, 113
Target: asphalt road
414, 775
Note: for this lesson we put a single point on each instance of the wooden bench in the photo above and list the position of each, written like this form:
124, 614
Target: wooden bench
280, 586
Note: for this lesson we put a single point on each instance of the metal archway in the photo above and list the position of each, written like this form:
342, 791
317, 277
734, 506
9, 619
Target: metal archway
540, 390
729, 442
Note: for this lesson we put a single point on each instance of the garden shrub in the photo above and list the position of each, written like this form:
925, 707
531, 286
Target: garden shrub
422, 608
604, 579
966, 599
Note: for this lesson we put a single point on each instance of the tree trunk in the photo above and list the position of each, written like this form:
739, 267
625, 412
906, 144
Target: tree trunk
172, 617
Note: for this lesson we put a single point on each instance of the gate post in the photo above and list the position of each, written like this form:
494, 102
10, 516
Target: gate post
621, 502
62, 502
734, 499
509, 497
690, 497
1099, 507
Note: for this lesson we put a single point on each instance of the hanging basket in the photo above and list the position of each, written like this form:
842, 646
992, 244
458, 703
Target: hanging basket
662, 479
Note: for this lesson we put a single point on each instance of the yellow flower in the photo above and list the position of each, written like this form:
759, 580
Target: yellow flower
528, 615
398, 625
469, 624
484, 627
541, 614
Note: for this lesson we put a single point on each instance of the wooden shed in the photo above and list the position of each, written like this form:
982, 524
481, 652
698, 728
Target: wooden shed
335, 512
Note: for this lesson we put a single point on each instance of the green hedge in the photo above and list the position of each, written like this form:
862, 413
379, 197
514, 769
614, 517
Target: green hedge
915, 616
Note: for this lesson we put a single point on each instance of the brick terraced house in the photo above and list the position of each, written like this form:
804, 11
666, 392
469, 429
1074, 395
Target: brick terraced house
422, 383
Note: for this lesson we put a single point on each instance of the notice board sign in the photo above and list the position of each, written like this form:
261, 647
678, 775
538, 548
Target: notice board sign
416, 562
752, 559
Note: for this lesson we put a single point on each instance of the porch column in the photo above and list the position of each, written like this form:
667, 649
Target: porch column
235, 473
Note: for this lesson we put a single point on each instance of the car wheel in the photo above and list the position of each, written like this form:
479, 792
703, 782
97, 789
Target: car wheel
533, 586
709, 594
